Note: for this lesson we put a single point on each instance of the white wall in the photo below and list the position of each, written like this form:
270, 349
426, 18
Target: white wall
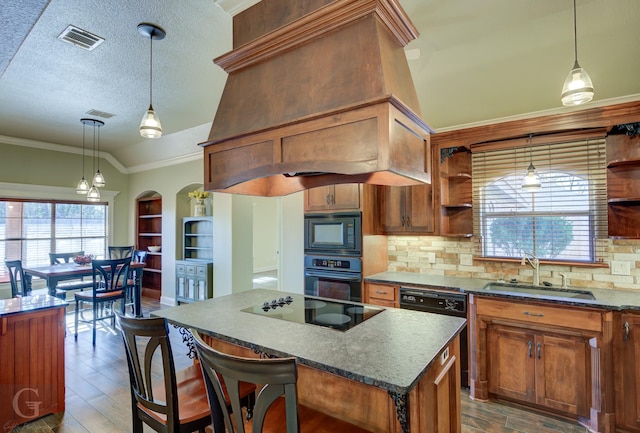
266, 233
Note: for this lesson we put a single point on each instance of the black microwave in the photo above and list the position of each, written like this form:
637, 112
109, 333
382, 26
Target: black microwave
337, 233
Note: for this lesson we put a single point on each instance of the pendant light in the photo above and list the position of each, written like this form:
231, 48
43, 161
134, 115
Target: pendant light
83, 185
93, 194
531, 182
150, 125
578, 88
98, 178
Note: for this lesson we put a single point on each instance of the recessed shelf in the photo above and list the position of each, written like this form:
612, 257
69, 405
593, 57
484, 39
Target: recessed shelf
457, 205
633, 162
624, 200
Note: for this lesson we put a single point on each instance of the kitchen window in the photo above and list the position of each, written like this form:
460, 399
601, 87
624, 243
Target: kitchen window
565, 221
30, 230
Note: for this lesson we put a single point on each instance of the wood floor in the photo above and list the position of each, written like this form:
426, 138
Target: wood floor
98, 399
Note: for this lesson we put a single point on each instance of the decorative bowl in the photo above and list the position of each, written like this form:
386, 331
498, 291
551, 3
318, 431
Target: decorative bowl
154, 248
82, 260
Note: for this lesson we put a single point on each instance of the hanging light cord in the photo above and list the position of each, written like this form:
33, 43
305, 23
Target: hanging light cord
151, 68
83, 140
94, 150
575, 34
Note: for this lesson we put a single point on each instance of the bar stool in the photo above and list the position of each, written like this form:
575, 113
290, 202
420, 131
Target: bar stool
276, 408
165, 400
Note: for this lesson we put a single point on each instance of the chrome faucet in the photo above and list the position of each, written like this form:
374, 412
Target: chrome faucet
535, 264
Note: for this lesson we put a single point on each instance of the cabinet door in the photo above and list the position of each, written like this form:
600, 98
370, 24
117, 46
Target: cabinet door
511, 362
318, 198
629, 412
392, 214
562, 368
419, 209
346, 196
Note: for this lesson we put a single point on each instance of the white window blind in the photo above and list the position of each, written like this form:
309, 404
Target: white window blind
30, 230
565, 221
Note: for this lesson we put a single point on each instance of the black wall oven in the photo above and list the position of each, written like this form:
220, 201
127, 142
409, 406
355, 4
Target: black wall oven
337, 234
333, 277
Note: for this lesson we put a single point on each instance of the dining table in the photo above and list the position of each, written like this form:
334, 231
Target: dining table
55, 274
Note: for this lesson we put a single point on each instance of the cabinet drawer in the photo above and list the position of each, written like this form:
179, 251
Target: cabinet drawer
180, 268
201, 271
191, 269
382, 291
588, 320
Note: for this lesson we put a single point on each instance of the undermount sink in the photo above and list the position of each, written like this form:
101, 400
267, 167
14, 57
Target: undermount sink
538, 291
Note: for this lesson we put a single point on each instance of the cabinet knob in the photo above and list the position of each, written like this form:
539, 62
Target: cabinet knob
539, 347
530, 344
527, 313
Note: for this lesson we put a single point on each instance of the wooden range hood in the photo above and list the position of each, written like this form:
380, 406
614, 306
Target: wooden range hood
319, 92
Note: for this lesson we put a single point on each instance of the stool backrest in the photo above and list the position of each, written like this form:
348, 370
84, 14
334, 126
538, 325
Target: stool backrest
279, 376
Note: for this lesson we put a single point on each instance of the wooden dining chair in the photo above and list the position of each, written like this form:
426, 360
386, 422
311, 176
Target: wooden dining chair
109, 285
61, 258
16, 278
139, 256
120, 252
167, 401
276, 408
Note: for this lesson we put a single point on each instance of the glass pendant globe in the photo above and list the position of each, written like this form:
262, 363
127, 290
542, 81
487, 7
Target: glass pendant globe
531, 181
83, 186
150, 125
578, 88
93, 194
98, 179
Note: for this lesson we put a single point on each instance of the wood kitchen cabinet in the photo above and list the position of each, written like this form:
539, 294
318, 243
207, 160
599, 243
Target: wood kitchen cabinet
407, 209
623, 186
340, 197
385, 295
555, 358
627, 342
543, 369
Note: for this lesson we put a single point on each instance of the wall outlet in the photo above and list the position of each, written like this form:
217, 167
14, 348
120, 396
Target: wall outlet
431, 257
466, 259
444, 356
620, 268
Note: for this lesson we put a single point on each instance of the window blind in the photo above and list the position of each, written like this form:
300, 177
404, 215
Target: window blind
566, 220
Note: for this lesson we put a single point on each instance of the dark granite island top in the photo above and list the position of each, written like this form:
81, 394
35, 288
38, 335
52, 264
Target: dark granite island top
29, 303
391, 351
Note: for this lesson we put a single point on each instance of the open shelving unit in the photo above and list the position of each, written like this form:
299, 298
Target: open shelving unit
149, 233
456, 207
194, 274
623, 186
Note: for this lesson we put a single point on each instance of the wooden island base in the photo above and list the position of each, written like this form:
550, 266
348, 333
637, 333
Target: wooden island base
433, 403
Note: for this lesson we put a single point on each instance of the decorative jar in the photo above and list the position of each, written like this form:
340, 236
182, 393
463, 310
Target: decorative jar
200, 209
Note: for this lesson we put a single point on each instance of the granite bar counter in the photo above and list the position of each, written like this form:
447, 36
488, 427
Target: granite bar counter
388, 364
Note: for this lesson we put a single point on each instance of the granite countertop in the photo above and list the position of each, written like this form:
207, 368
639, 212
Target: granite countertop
391, 350
29, 303
604, 298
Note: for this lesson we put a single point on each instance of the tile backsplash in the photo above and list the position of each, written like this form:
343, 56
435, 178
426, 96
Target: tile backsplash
456, 257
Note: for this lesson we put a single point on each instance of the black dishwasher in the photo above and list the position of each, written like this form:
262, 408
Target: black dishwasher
441, 301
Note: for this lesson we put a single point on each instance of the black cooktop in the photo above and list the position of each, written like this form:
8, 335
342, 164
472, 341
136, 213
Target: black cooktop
325, 312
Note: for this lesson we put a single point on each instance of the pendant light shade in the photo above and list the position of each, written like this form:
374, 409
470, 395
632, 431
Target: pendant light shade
150, 124
578, 88
98, 178
93, 194
83, 186
531, 182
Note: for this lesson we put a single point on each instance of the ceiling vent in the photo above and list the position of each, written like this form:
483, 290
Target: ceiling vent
99, 113
80, 38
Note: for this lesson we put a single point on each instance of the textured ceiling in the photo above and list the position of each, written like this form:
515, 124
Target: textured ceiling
478, 61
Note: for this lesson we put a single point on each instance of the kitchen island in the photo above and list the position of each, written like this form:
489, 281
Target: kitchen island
395, 371
32, 359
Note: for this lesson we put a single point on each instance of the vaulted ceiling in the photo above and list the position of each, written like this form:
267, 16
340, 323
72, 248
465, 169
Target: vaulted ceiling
474, 62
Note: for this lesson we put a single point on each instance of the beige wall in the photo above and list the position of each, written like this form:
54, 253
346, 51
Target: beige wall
55, 175
454, 257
